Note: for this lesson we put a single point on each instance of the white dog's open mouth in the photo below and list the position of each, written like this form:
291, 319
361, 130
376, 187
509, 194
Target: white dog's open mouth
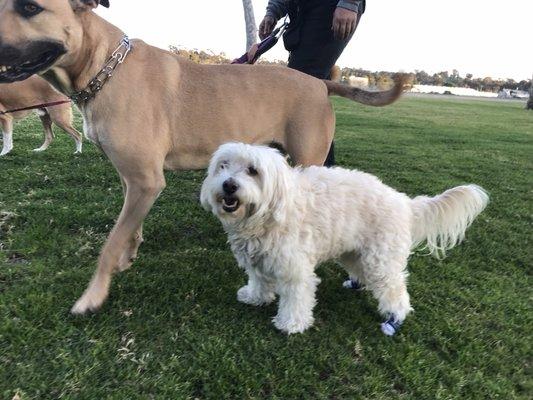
230, 204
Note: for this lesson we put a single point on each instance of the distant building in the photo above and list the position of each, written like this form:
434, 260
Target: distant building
458, 91
513, 94
357, 81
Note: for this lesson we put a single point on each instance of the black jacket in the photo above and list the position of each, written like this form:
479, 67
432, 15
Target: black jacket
280, 8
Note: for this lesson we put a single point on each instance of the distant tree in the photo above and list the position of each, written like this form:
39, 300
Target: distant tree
487, 84
476, 84
455, 79
200, 56
438, 80
422, 78
524, 85
509, 84
467, 82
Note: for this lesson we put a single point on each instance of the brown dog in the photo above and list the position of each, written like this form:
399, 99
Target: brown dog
159, 111
33, 91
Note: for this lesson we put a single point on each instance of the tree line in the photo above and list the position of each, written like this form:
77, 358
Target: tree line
382, 78
444, 78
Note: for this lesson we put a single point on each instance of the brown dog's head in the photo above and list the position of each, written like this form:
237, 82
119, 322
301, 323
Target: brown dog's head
38, 34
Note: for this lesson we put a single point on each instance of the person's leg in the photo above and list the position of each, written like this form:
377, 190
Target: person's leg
317, 50
330, 160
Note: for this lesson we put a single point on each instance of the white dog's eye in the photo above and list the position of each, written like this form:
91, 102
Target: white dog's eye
223, 165
252, 171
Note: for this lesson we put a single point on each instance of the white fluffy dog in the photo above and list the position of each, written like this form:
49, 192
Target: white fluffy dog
282, 222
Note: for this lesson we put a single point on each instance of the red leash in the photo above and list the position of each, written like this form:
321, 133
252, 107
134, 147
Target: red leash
36, 107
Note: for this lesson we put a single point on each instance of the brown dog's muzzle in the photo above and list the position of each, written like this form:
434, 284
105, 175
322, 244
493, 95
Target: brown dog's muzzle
18, 64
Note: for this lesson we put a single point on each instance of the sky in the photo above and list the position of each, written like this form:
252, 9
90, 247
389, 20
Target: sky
483, 37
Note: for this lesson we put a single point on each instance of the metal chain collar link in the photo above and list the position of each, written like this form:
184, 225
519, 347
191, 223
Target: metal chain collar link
98, 82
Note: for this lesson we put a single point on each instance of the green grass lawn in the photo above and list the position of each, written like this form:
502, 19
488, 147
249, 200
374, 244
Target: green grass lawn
172, 327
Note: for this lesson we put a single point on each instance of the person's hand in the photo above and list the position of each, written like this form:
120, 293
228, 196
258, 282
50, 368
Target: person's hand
344, 23
267, 26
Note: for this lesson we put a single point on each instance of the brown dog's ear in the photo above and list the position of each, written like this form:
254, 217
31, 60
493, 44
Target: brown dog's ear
88, 4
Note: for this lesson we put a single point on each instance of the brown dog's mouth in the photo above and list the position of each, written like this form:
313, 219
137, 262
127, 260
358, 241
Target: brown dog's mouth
230, 204
18, 65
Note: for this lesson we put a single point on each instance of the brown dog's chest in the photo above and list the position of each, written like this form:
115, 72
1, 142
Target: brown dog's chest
90, 131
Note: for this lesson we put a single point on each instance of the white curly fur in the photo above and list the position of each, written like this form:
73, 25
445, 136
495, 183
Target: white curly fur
291, 219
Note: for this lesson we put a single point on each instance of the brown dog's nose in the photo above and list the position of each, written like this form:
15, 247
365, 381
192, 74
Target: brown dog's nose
230, 186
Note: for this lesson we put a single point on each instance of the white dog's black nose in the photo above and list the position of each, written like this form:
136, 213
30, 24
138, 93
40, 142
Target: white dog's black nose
230, 186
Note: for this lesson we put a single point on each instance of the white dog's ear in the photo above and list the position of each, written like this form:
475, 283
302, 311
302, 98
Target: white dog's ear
283, 201
279, 185
204, 195
206, 185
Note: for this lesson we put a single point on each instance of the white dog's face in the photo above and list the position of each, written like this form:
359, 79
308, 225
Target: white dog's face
245, 181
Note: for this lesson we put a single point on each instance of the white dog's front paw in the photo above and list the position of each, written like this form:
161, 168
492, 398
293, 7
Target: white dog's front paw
353, 284
247, 296
292, 325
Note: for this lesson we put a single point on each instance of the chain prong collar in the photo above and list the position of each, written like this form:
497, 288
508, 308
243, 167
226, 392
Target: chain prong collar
101, 78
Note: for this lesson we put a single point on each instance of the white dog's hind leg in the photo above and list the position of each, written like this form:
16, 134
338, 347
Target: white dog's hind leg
7, 134
259, 290
386, 278
296, 303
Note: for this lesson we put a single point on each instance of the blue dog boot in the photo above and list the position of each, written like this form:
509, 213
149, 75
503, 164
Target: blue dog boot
390, 326
353, 284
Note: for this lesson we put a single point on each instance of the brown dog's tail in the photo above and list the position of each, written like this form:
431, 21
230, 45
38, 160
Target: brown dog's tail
377, 99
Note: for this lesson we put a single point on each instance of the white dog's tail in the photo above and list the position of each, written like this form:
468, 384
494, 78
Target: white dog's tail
441, 221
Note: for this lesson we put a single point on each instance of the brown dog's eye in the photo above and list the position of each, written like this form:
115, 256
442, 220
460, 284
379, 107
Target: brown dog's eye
27, 9
252, 171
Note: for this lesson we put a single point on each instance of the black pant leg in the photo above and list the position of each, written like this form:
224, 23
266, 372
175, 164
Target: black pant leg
317, 50
330, 160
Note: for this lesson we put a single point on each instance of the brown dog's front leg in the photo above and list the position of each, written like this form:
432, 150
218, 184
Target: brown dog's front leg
141, 194
130, 254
